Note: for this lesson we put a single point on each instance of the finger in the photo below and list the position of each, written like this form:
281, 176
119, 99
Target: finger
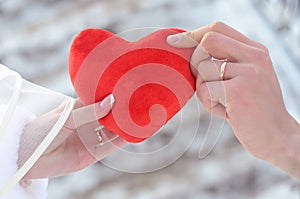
182, 40
213, 97
90, 113
217, 109
209, 70
199, 55
99, 141
223, 47
219, 27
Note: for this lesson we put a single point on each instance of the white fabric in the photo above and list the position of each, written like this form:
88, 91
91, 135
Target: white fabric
9, 145
18, 97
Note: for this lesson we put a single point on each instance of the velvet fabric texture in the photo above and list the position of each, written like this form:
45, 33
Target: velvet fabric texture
151, 81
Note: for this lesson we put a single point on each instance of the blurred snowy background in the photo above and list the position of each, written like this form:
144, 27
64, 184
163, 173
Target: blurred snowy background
35, 36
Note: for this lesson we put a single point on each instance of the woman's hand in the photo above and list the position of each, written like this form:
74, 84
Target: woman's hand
67, 153
249, 97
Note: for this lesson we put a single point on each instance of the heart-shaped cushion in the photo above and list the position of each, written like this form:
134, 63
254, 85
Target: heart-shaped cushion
150, 80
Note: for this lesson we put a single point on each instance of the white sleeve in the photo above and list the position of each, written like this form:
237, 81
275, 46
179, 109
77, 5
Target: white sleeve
17, 98
29, 189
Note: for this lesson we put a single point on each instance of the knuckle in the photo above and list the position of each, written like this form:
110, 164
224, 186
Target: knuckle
209, 39
217, 25
264, 48
261, 55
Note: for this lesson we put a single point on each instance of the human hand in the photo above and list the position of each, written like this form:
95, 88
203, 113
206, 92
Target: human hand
249, 98
67, 153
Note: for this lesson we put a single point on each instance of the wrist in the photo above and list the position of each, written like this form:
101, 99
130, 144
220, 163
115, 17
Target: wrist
286, 154
293, 151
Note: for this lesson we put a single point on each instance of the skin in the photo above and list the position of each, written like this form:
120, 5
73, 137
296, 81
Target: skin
67, 153
249, 98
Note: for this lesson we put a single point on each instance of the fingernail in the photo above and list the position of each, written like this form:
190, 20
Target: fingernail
107, 102
172, 39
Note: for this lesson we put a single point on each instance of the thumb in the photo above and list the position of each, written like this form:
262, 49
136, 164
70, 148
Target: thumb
92, 112
182, 40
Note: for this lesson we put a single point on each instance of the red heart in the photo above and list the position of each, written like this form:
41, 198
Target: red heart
151, 81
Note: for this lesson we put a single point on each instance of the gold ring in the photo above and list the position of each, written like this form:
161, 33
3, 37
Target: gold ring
222, 71
98, 131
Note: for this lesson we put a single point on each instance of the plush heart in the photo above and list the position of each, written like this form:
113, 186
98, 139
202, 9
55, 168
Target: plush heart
151, 81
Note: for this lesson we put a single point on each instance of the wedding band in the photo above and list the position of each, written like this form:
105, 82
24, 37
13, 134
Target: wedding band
98, 131
222, 71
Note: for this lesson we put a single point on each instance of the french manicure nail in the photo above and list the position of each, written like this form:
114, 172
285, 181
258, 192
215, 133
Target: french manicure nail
108, 102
